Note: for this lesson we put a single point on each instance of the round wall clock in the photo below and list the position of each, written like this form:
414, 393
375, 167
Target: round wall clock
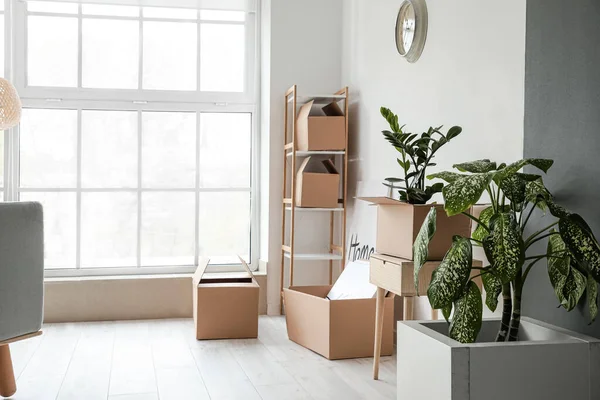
411, 29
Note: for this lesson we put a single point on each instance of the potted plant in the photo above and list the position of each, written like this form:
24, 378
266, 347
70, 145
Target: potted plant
408, 210
533, 359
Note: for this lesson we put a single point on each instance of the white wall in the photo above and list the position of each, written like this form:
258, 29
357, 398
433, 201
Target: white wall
471, 74
303, 40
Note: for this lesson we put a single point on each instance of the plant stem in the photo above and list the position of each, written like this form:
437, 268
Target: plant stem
476, 220
530, 238
515, 322
477, 241
506, 311
528, 268
551, 255
540, 238
491, 193
529, 216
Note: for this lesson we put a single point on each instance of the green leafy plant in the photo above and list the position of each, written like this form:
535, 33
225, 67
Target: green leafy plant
416, 152
572, 251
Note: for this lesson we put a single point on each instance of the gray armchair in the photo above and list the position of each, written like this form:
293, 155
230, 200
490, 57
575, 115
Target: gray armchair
21, 281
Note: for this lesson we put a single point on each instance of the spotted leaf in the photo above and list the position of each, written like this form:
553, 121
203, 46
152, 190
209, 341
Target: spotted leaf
447, 176
573, 289
592, 298
485, 216
463, 193
581, 243
421, 245
468, 310
493, 288
450, 277
540, 163
504, 247
558, 267
447, 312
513, 188
479, 166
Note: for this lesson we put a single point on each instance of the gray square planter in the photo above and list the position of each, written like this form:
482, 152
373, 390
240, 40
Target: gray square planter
547, 363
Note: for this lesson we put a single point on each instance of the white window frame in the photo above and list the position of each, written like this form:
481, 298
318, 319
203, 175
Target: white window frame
138, 101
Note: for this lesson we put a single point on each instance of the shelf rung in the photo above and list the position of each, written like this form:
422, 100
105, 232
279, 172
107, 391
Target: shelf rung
318, 98
315, 257
287, 200
316, 153
308, 209
286, 248
337, 248
288, 146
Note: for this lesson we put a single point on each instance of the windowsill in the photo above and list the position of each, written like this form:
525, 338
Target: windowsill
139, 277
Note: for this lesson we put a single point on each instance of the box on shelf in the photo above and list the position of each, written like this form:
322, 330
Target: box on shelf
336, 329
320, 130
317, 184
225, 306
398, 224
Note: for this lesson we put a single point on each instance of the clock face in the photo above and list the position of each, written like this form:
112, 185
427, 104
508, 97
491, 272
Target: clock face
411, 29
405, 28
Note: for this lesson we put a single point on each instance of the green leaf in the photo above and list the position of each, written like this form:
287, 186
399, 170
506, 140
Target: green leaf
493, 288
478, 166
447, 176
435, 188
535, 190
391, 118
450, 277
453, 132
592, 298
447, 311
468, 311
421, 245
504, 247
540, 163
485, 217
528, 177
558, 268
582, 244
513, 187
573, 289
463, 193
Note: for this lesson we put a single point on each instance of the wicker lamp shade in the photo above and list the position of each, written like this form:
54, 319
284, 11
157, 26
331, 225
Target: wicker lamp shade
10, 105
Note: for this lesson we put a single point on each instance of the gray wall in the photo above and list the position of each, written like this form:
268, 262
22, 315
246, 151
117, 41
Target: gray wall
562, 122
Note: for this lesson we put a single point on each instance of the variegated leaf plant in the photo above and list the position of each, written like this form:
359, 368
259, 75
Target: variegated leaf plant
573, 253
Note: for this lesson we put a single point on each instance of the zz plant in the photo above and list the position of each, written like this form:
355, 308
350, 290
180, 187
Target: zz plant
416, 152
572, 251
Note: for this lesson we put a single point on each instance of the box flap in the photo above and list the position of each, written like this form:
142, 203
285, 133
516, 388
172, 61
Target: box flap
304, 111
330, 167
247, 268
202, 264
333, 110
311, 165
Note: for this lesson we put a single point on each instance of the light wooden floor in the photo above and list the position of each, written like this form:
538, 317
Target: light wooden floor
149, 360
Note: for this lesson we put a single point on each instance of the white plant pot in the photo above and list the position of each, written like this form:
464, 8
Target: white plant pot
547, 363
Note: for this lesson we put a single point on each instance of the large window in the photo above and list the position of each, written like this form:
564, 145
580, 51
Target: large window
137, 134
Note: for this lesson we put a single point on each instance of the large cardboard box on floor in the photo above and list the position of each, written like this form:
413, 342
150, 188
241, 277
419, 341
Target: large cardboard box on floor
336, 329
398, 224
225, 306
317, 184
319, 130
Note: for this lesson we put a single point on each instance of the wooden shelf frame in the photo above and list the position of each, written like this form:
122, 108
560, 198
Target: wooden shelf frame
337, 252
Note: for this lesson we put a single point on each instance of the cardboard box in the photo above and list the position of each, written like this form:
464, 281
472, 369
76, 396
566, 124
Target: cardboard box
319, 131
225, 306
317, 184
398, 224
336, 329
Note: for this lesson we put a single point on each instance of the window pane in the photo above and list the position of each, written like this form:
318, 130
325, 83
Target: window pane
59, 227
48, 148
110, 54
168, 229
222, 58
225, 149
220, 15
168, 150
52, 7
117, 11
52, 51
109, 149
225, 227
170, 53
170, 13
108, 230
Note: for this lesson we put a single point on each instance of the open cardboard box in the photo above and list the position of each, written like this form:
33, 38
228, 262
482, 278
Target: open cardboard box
317, 184
225, 307
336, 329
398, 224
320, 130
